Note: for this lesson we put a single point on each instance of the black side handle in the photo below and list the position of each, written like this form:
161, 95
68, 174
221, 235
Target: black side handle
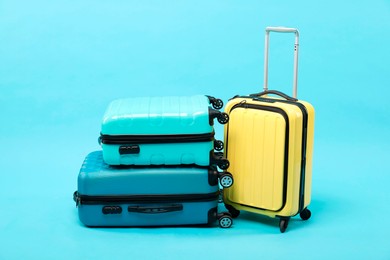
112, 210
155, 209
213, 113
129, 149
275, 92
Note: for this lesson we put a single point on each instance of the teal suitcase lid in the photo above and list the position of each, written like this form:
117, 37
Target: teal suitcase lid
157, 116
97, 178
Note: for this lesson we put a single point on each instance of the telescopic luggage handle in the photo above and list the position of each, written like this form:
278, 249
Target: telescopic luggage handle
266, 50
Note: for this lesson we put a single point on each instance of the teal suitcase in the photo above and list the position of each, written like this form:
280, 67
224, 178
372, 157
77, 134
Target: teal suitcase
147, 196
168, 130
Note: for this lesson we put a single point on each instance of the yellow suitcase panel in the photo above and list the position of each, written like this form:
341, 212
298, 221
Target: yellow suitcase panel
257, 143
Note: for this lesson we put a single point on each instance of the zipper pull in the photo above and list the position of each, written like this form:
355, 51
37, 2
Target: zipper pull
244, 104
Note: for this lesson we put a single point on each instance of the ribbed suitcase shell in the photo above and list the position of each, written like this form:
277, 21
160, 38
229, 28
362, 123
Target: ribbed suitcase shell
154, 185
159, 116
264, 145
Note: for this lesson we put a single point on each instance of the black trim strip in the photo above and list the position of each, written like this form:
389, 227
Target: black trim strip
286, 144
158, 198
156, 139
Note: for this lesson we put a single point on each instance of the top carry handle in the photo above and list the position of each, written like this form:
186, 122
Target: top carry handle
296, 45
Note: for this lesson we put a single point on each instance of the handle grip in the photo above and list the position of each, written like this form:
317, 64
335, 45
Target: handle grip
155, 209
281, 29
129, 149
274, 92
266, 50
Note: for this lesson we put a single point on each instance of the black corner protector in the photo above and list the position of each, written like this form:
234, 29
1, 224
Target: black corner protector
218, 159
213, 176
211, 98
215, 157
212, 216
76, 198
213, 113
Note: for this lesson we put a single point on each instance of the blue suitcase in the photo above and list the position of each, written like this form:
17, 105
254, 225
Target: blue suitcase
154, 196
162, 131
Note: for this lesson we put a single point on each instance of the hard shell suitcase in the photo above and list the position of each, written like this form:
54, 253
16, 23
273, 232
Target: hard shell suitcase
162, 131
154, 196
269, 144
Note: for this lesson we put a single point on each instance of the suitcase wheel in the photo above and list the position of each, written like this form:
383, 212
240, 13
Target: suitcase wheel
305, 214
223, 118
223, 164
283, 224
226, 180
218, 145
234, 212
217, 103
225, 221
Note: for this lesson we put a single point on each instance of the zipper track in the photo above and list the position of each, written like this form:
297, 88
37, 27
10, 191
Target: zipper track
156, 139
286, 145
158, 198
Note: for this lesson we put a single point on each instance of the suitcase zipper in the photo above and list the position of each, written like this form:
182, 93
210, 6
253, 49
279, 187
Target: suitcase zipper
155, 139
127, 199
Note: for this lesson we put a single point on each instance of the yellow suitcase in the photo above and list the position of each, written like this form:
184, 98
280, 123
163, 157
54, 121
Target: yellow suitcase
269, 144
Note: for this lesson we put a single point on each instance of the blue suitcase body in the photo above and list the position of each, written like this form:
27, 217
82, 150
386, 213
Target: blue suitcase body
162, 131
118, 196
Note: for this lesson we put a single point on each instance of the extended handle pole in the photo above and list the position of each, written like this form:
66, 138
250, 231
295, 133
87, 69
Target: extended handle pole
266, 50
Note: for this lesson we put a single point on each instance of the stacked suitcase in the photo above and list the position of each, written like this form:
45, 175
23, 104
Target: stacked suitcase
157, 165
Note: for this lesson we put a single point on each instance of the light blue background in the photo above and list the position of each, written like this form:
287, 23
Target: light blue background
62, 62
